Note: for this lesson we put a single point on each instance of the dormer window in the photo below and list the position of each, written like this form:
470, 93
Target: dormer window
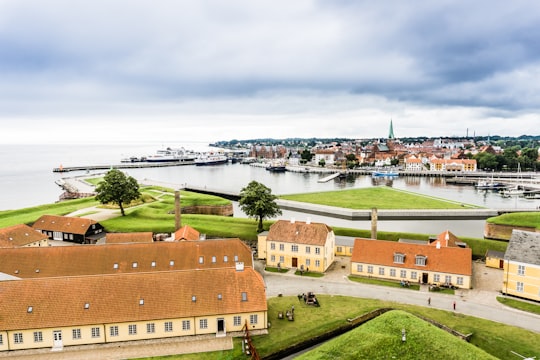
213, 259
225, 258
244, 296
399, 258
420, 260
201, 259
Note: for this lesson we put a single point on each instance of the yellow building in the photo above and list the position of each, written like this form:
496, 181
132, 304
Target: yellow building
522, 265
495, 259
440, 262
344, 246
297, 244
22, 236
77, 310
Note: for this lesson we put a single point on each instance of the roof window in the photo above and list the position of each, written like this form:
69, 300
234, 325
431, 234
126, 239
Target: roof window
141, 301
87, 306
30, 309
193, 298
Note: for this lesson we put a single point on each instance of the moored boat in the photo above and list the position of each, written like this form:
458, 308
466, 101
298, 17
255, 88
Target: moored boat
171, 155
211, 159
381, 173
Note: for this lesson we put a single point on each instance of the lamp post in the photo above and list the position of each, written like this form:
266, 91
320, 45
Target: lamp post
403, 335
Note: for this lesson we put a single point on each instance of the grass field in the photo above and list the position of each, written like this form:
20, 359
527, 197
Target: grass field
381, 197
493, 338
527, 219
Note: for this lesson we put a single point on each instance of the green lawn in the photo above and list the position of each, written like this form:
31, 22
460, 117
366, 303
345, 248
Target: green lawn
527, 219
377, 197
374, 281
381, 338
494, 338
519, 304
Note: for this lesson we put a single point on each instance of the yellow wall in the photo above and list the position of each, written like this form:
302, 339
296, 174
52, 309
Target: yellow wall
493, 262
261, 246
301, 256
342, 250
431, 275
123, 331
530, 280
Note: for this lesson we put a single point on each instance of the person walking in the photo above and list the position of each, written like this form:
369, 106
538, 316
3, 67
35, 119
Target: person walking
454, 305
429, 301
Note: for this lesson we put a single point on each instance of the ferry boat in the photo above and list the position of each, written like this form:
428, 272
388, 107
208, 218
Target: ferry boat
384, 173
276, 166
211, 159
171, 155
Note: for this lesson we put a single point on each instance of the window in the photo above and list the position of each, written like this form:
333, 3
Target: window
132, 329
225, 258
381, 271
459, 280
399, 258
171, 263
214, 259
521, 269
38, 336
339, 249
370, 269
519, 286
317, 251
168, 326
134, 265
317, 263
281, 259
219, 296
150, 328
294, 248
186, 325
141, 301
87, 306
403, 273
281, 247
95, 332
18, 338
273, 258
436, 278
360, 268
244, 296
308, 250
420, 260
448, 279
115, 266
76, 333
1, 340
194, 298
153, 264
237, 321
113, 330
253, 319
201, 259
393, 272
272, 246
236, 258
308, 262
203, 323
414, 275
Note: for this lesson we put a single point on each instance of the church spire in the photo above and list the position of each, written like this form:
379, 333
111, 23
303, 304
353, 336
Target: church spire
391, 132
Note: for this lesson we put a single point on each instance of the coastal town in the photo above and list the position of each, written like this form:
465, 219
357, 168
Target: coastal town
124, 281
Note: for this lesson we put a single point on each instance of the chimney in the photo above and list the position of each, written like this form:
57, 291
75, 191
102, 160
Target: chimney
177, 211
374, 223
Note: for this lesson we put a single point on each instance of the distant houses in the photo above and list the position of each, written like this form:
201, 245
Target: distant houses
22, 236
522, 265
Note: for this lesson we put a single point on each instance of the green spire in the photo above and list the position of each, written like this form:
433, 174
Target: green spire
391, 132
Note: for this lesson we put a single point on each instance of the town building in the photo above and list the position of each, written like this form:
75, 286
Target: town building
186, 233
125, 238
443, 261
298, 244
22, 236
522, 265
71, 229
457, 165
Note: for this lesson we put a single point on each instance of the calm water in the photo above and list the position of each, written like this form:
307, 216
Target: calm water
26, 179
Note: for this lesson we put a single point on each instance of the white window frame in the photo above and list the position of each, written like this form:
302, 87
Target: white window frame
521, 270
393, 272
38, 336
18, 338
96, 332
519, 286
150, 328
359, 267
399, 258
168, 326
203, 323
186, 325
237, 320
294, 248
132, 329
253, 319
370, 269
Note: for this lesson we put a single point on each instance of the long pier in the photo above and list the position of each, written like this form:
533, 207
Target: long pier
135, 165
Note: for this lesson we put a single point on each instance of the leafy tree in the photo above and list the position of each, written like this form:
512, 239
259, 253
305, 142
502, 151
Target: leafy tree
257, 201
306, 156
117, 188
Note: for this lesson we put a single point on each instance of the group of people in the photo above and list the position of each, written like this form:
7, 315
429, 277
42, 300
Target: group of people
453, 303
405, 283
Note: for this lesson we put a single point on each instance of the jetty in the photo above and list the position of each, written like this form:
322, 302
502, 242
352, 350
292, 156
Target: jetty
137, 165
329, 177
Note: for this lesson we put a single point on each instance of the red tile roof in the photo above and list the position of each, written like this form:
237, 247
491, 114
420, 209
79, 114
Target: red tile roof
66, 224
19, 235
186, 233
452, 260
34, 262
116, 298
136, 237
299, 232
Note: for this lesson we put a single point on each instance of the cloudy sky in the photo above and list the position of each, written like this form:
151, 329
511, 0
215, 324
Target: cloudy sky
241, 69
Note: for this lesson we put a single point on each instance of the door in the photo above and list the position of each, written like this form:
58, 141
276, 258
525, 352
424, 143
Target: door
424, 278
220, 327
501, 264
57, 340
294, 262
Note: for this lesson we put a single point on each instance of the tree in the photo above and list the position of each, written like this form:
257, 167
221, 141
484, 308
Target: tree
257, 201
117, 188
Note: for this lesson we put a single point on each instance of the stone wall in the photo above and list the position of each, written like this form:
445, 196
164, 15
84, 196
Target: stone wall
223, 210
503, 232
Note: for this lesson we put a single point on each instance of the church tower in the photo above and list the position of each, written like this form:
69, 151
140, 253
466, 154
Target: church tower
391, 132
